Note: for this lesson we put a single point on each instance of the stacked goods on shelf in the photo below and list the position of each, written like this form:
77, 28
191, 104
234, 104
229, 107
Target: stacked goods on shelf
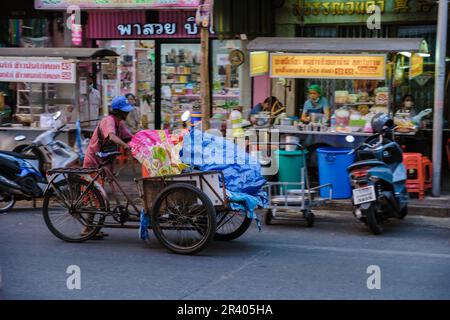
382, 96
340, 97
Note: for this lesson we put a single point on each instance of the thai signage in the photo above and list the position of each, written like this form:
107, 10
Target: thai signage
329, 66
115, 4
416, 68
159, 29
37, 70
323, 11
259, 63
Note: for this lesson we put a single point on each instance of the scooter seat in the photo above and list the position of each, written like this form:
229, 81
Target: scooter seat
369, 163
20, 155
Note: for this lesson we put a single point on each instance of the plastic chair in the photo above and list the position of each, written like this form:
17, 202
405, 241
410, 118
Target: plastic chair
419, 173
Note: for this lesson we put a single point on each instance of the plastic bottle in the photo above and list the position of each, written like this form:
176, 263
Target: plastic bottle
333, 123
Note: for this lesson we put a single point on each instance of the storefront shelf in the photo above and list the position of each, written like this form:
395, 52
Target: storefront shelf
355, 104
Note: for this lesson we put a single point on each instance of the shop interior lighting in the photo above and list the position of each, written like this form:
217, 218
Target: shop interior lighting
424, 55
230, 45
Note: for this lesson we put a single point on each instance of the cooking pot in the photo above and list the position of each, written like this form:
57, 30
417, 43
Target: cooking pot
286, 122
262, 119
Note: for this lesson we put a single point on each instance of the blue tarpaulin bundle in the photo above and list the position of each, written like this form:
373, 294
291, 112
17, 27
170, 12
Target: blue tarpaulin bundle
243, 180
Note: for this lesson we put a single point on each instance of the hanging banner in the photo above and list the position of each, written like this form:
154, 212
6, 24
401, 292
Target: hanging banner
37, 70
328, 66
116, 4
416, 68
259, 63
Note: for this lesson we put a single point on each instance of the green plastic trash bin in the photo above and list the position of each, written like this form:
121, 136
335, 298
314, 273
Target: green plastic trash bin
290, 164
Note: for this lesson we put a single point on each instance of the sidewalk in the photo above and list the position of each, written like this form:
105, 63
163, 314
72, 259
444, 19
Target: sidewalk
431, 207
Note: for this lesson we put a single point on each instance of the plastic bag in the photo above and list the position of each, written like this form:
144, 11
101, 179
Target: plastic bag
156, 152
242, 172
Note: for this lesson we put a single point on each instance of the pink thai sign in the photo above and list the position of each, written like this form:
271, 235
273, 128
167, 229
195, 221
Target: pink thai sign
132, 24
116, 4
37, 70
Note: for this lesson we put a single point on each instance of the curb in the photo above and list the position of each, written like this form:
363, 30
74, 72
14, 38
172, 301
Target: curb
439, 210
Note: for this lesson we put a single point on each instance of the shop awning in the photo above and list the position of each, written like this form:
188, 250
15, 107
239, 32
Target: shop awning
67, 53
325, 45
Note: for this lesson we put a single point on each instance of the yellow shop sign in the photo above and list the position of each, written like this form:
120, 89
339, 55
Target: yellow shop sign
328, 66
259, 63
416, 68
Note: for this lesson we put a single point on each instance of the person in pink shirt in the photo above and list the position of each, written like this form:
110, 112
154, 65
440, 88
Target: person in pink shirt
111, 130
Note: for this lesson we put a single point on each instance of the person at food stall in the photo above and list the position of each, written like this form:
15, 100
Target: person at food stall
264, 106
111, 133
408, 105
134, 118
316, 103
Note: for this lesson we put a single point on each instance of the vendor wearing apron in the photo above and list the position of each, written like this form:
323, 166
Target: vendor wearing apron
315, 104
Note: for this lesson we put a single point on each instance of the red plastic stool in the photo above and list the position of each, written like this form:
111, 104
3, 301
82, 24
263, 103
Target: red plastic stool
428, 173
419, 173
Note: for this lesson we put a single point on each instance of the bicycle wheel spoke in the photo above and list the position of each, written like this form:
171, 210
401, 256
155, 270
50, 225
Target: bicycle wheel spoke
69, 223
183, 218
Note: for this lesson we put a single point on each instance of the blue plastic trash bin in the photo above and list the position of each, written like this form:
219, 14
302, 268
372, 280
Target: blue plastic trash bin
333, 163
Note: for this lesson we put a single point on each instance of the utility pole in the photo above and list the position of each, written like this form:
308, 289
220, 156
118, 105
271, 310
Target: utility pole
203, 20
439, 95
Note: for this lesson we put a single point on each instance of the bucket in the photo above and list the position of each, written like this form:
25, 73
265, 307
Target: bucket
333, 163
290, 164
294, 140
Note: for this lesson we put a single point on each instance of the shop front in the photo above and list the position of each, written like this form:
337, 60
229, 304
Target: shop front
47, 80
160, 64
361, 73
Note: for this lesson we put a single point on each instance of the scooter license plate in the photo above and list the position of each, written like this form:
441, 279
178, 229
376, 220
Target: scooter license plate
364, 195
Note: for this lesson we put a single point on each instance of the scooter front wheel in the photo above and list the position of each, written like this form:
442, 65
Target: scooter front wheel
7, 202
374, 220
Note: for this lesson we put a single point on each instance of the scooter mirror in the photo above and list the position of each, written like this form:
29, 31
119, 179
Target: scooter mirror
350, 139
57, 115
20, 138
186, 116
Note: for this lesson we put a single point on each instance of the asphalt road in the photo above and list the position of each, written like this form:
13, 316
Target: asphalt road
284, 261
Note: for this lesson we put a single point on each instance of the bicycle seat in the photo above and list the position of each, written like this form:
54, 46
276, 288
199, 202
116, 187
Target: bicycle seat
107, 155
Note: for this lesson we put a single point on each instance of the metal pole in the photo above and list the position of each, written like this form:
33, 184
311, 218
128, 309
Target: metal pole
205, 93
441, 46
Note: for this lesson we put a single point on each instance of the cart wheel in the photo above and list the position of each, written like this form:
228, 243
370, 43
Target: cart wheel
231, 225
309, 217
183, 219
268, 217
70, 224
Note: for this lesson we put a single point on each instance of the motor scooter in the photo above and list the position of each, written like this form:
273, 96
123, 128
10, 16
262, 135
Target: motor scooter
378, 177
23, 175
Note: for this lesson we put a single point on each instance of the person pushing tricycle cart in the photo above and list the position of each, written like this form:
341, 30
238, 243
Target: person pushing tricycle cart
186, 211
